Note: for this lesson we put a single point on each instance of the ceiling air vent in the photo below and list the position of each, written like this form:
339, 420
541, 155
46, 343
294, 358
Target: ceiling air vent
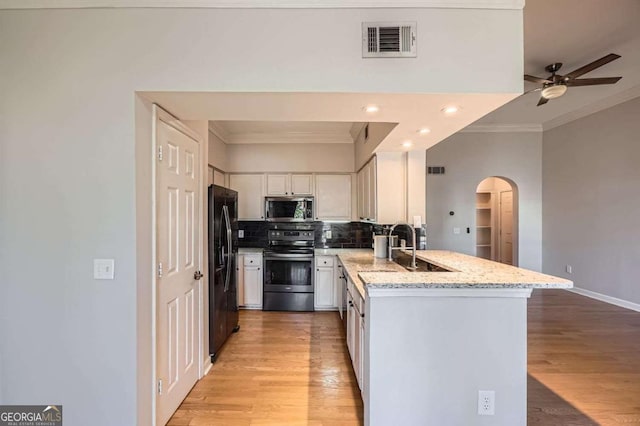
435, 170
389, 40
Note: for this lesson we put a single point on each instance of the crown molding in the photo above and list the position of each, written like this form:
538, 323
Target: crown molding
220, 132
235, 4
296, 138
502, 128
597, 106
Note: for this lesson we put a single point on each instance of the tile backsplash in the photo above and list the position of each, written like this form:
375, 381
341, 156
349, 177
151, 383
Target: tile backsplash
343, 235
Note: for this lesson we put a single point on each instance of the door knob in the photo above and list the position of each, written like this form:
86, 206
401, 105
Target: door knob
197, 275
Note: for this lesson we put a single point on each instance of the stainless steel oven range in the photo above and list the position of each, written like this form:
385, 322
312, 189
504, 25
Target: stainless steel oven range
288, 268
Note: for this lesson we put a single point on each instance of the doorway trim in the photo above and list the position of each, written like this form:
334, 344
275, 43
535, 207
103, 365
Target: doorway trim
516, 213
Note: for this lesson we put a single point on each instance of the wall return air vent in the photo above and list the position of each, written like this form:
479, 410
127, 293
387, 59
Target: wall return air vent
435, 170
389, 40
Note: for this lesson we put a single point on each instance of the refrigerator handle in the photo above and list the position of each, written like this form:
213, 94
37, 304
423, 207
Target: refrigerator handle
225, 211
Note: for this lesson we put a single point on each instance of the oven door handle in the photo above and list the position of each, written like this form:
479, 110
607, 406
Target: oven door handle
288, 256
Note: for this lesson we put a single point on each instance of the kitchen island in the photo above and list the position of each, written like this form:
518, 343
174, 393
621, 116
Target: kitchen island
432, 340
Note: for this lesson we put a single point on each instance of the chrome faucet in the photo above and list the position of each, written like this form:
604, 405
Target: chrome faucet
413, 236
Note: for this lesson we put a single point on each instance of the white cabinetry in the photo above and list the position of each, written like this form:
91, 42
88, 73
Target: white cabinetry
333, 197
250, 188
356, 331
219, 178
382, 188
289, 184
325, 283
250, 280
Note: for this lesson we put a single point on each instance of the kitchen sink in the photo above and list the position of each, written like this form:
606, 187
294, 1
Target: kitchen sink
404, 260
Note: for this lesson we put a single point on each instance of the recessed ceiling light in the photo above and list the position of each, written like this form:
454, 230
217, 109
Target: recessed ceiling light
407, 144
424, 131
451, 109
371, 108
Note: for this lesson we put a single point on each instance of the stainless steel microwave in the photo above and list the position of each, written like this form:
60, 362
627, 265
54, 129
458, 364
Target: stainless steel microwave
288, 209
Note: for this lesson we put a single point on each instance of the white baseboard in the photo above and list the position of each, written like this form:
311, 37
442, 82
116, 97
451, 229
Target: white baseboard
607, 299
207, 366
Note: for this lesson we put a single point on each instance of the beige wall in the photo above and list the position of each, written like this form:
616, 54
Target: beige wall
313, 157
365, 149
217, 152
468, 159
591, 199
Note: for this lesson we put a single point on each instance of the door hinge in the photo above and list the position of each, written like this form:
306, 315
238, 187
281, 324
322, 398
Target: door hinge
160, 387
160, 270
160, 153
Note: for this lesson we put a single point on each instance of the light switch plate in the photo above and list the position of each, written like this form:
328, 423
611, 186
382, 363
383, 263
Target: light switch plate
103, 269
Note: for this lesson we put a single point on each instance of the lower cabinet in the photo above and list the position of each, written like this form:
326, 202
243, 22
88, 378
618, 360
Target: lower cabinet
249, 274
356, 331
325, 283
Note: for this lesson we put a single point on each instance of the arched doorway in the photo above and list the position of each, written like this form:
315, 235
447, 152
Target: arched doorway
497, 220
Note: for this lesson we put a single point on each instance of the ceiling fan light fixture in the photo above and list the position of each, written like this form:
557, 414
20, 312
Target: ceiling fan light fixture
555, 91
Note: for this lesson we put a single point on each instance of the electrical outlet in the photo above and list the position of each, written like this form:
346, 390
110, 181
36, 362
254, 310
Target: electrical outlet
486, 403
240, 233
327, 234
456, 231
569, 269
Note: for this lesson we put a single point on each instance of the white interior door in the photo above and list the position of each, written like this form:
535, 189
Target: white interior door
178, 255
506, 227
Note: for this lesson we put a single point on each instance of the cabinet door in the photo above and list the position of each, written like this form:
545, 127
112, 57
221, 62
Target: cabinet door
253, 286
301, 185
366, 191
333, 197
372, 190
361, 353
350, 325
250, 190
324, 288
360, 191
278, 185
240, 278
357, 347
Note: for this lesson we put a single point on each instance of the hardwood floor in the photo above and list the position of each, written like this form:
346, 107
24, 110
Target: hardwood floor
287, 368
584, 361
282, 368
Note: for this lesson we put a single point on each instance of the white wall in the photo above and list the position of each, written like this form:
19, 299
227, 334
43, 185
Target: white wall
287, 157
468, 159
416, 185
74, 184
217, 152
365, 149
591, 199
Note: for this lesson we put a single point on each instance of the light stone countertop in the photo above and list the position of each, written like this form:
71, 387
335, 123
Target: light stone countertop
335, 251
469, 272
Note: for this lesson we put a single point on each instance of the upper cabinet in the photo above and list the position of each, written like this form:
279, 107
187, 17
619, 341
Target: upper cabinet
381, 189
333, 197
289, 184
250, 188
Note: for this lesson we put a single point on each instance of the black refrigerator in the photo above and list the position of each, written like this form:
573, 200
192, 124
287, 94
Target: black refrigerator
223, 254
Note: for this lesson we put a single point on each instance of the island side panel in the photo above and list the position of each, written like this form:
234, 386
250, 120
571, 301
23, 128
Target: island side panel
426, 358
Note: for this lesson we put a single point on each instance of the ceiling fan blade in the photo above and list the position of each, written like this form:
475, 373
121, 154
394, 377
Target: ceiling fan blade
542, 101
533, 90
592, 66
593, 81
535, 79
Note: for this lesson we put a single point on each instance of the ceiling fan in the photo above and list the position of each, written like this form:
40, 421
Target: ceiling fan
556, 85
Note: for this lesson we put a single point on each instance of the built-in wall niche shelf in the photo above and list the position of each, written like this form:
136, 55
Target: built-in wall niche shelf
484, 225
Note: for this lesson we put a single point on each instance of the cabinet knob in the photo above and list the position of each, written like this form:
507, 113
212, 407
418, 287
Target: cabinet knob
318, 270
258, 269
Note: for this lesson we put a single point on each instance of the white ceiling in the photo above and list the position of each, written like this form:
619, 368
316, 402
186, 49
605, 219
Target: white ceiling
575, 32
411, 111
238, 132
